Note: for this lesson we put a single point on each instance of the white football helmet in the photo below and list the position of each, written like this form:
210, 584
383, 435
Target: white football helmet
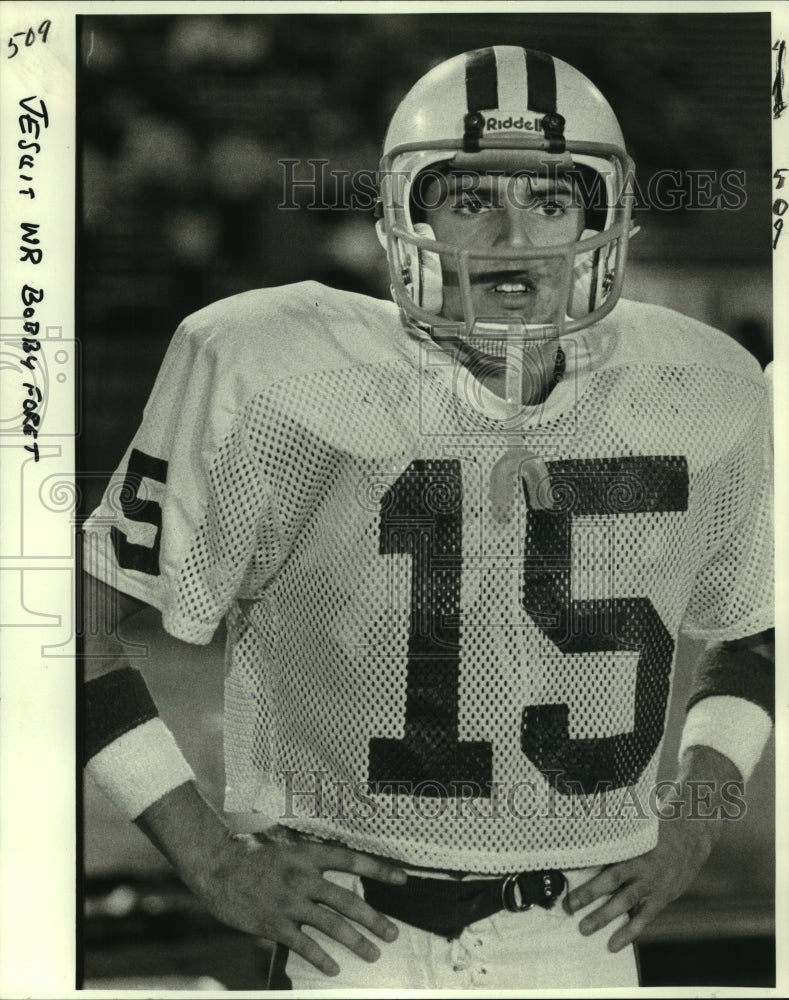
505, 98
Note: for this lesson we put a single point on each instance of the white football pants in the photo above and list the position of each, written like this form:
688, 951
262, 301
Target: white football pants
536, 949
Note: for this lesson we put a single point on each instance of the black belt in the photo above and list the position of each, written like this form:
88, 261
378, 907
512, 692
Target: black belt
446, 906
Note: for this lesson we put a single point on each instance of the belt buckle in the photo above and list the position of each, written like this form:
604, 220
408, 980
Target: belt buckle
511, 897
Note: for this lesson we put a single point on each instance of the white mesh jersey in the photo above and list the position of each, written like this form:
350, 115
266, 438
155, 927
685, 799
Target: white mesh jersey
430, 658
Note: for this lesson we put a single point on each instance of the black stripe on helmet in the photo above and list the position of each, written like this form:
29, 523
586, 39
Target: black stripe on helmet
541, 77
482, 83
482, 93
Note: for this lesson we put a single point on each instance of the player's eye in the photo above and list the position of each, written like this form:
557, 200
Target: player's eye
551, 208
474, 203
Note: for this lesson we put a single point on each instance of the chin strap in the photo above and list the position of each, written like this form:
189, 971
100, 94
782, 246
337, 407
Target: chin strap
592, 275
516, 464
428, 283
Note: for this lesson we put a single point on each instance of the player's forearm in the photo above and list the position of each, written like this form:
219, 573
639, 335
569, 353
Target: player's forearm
129, 751
188, 832
707, 784
700, 763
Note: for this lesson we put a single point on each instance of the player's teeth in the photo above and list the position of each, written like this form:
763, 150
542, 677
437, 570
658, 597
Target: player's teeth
511, 286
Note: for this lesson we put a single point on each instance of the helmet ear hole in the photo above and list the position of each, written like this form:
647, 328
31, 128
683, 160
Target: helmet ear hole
430, 283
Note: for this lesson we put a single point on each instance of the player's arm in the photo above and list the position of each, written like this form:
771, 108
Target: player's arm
727, 726
270, 887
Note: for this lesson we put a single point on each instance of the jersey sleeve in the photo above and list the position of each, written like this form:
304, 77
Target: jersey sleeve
186, 521
733, 594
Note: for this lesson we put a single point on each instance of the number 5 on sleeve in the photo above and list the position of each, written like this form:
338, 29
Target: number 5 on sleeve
130, 555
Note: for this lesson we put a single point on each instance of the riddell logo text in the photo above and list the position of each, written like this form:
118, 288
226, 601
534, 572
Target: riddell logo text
528, 124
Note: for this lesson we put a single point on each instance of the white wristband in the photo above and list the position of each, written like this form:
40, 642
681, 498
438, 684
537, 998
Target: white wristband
734, 727
139, 767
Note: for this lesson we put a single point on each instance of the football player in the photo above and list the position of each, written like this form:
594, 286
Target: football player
454, 539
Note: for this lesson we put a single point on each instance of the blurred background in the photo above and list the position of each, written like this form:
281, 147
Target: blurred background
182, 124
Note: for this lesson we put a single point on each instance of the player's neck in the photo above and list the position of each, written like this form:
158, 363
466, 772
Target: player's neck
539, 367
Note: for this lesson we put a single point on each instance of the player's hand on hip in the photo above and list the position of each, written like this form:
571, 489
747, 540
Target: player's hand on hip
643, 886
276, 889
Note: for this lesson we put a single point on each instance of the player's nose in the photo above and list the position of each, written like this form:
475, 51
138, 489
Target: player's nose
514, 228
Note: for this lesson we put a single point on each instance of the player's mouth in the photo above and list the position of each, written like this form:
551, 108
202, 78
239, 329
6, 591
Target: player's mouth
514, 285
506, 285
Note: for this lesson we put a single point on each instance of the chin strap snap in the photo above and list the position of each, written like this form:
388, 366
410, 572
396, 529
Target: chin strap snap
553, 130
473, 124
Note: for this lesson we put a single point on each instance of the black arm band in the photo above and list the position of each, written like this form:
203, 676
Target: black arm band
738, 672
115, 703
